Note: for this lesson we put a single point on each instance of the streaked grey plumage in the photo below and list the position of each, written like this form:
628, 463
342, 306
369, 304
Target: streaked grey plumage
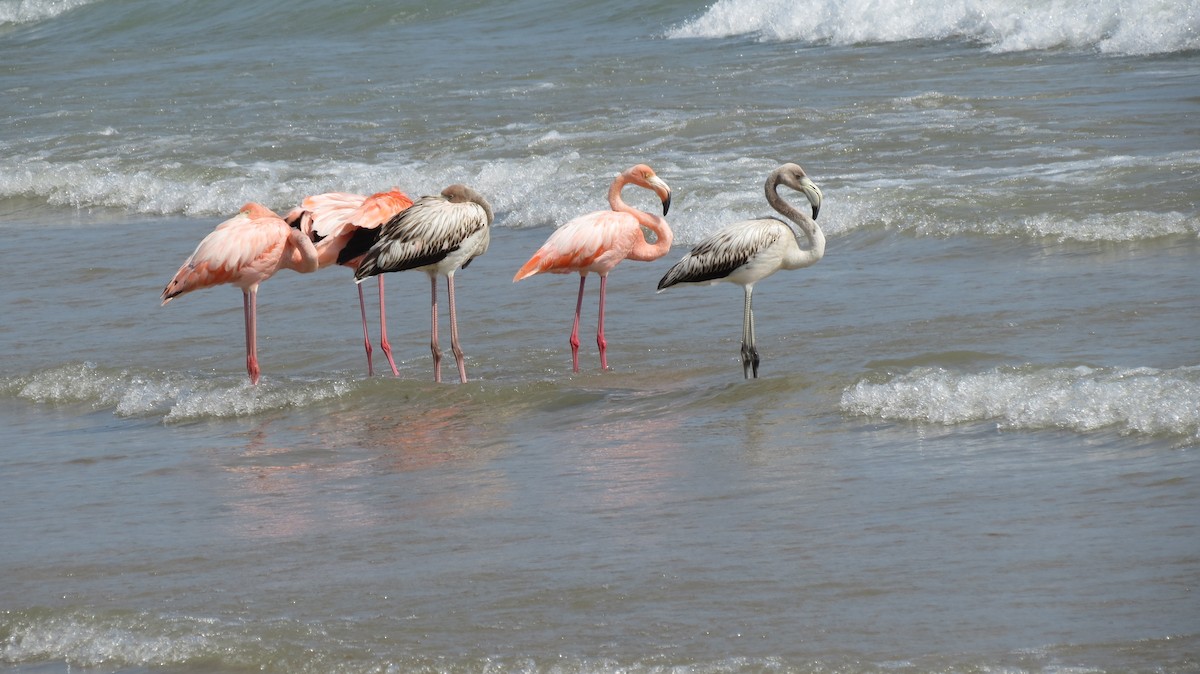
432, 229
438, 235
718, 256
748, 251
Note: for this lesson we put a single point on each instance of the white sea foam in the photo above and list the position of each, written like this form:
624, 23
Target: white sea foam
91, 641
1115, 228
1129, 400
174, 397
1109, 26
526, 193
522, 191
32, 11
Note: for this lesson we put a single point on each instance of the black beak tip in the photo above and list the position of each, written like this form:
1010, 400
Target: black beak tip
666, 204
816, 209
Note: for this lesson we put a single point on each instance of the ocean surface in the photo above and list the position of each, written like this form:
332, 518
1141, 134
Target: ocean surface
973, 447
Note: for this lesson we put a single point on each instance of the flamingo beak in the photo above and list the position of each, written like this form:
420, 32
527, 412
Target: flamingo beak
664, 192
813, 193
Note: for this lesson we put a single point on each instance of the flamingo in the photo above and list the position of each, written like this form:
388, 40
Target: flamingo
439, 234
245, 250
748, 251
345, 226
598, 241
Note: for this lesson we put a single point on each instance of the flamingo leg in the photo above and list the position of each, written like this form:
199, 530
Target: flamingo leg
433, 335
749, 351
600, 341
575, 327
250, 309
459, 358
362, 307
383, 340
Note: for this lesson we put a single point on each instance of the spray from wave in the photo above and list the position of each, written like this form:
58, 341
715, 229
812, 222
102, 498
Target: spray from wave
174, 397
1129, 400
32, 11
522, 191
1107, 26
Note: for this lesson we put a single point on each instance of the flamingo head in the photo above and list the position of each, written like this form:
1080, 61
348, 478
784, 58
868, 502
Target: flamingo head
254, 211
794, 177
644, 176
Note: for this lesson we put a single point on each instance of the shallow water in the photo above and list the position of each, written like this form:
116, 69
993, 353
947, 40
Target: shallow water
972, 447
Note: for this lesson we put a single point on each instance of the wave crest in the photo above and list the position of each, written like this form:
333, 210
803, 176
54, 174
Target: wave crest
1137, 400
1108, 26
32, 11
175, 397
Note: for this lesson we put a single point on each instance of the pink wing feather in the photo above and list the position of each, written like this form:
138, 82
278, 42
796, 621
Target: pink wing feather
595, 242
245, 250
331, 212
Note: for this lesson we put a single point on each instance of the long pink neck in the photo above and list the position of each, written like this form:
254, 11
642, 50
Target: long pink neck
301, 255
643, 250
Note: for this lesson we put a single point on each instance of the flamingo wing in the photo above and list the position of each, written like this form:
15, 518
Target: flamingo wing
243, 250
423, 234
723, 252
378, 208
331, 212
367, 219
593, 242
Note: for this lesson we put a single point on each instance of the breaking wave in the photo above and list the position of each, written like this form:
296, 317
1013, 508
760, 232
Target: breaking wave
32, 11
1108, 26
1128, 400
175, 397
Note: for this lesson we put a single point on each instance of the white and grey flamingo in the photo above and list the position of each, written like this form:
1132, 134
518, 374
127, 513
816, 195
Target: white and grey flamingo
438, 234
748, 251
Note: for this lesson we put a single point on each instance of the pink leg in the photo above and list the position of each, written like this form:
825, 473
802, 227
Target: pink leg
600, 325
433, 339
575, 327
250, 308
459, 359
362, 307
383, 340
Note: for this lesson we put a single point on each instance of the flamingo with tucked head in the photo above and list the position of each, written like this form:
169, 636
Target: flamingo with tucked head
598, 241
345, 226
747, 252
438, 234
244, 251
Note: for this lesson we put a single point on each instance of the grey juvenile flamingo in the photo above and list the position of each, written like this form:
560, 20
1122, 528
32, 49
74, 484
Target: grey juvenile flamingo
748, 251
438, 234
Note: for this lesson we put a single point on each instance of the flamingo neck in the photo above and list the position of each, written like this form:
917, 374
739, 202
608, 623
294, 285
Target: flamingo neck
302, 255
643, 250
815, 238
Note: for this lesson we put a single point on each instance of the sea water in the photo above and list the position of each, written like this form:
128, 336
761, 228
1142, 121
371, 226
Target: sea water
971, 448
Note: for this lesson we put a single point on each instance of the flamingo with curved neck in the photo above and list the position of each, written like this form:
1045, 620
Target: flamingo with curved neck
748, 251
244, 251
598, 241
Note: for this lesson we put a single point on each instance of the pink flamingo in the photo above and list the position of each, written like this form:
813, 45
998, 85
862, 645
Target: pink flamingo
598, 241
438, 235
245, 250
345, 226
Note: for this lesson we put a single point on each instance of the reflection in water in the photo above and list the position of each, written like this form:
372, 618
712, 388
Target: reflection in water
281, 490
629, 459
323, 474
